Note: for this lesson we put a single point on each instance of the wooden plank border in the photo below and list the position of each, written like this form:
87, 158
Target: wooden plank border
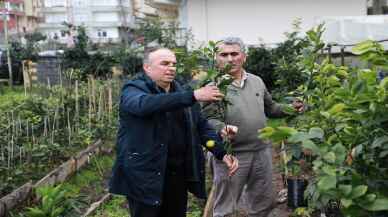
58, 175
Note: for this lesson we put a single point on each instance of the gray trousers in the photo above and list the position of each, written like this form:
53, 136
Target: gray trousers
254, 177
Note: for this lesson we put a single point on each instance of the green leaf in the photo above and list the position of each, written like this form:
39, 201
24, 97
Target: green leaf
384, 83
35, 212
340, 152
325, 114
277, 134
287, 130
363, 47
358, 87
327, 182
288, 109
329, 170
333, 81
298, 137
308, 144
379, 141
337, 108
378, 205
345, 189
266, 132
329, 157
346, 202
359, 191
327, 68
316, 132
370, 197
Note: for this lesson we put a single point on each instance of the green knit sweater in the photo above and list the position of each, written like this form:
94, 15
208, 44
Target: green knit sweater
251, 105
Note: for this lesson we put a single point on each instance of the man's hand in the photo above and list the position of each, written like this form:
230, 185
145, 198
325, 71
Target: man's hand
232, 163
298, 106
208, 94
229, 131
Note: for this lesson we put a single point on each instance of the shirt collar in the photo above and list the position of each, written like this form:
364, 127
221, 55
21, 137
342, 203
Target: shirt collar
241, 84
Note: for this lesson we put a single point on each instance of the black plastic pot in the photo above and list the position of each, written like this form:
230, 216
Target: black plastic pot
333, 209
295, 195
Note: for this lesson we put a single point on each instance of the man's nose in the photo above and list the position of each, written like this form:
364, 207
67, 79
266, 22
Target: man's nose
229, 58
172, 68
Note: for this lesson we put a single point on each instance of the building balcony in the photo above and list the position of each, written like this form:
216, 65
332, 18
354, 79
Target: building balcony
12, 12
163, 3
53, 10
101, 8
15, 1
105, 24
51, 26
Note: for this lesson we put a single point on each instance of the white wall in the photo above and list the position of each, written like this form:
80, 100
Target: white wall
55, 3
56, 18
106, 17
264, 19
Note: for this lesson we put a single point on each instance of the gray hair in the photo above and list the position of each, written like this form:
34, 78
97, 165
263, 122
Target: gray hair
234, 41
147, 53
150, 48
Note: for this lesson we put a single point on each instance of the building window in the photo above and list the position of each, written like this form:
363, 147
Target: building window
102, 34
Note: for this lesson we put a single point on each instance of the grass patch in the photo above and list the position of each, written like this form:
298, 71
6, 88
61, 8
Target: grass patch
8, 95
116, 207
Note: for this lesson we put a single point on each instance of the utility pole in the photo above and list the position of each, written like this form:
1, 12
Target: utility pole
5, 24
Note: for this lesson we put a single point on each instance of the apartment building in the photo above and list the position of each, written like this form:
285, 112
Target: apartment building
32, 16
167, 10
12, 11
105, 20
259, 21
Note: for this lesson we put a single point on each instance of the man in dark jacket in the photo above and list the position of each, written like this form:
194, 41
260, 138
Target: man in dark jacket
159, 153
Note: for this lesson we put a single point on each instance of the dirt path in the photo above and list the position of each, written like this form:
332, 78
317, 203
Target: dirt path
281, 210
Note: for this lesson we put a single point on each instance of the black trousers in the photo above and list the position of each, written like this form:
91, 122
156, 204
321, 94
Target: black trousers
174, 201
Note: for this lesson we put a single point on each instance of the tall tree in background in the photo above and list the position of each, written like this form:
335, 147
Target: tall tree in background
377, 6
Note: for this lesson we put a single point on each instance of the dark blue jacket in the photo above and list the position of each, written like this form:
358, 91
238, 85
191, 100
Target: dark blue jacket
141, 146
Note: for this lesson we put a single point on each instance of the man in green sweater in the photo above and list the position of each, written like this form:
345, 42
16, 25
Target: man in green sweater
251, 104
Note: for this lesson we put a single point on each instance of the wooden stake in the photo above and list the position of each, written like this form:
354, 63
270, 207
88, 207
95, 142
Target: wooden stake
69, 126
9, 156
110, 102
77, 115
54, 123
100, 106
48, 123
20, 156
45, 126
48, 83
94, 94
12, 148
208, 211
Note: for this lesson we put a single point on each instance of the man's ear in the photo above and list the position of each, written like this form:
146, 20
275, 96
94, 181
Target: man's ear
245, 57
146, 67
